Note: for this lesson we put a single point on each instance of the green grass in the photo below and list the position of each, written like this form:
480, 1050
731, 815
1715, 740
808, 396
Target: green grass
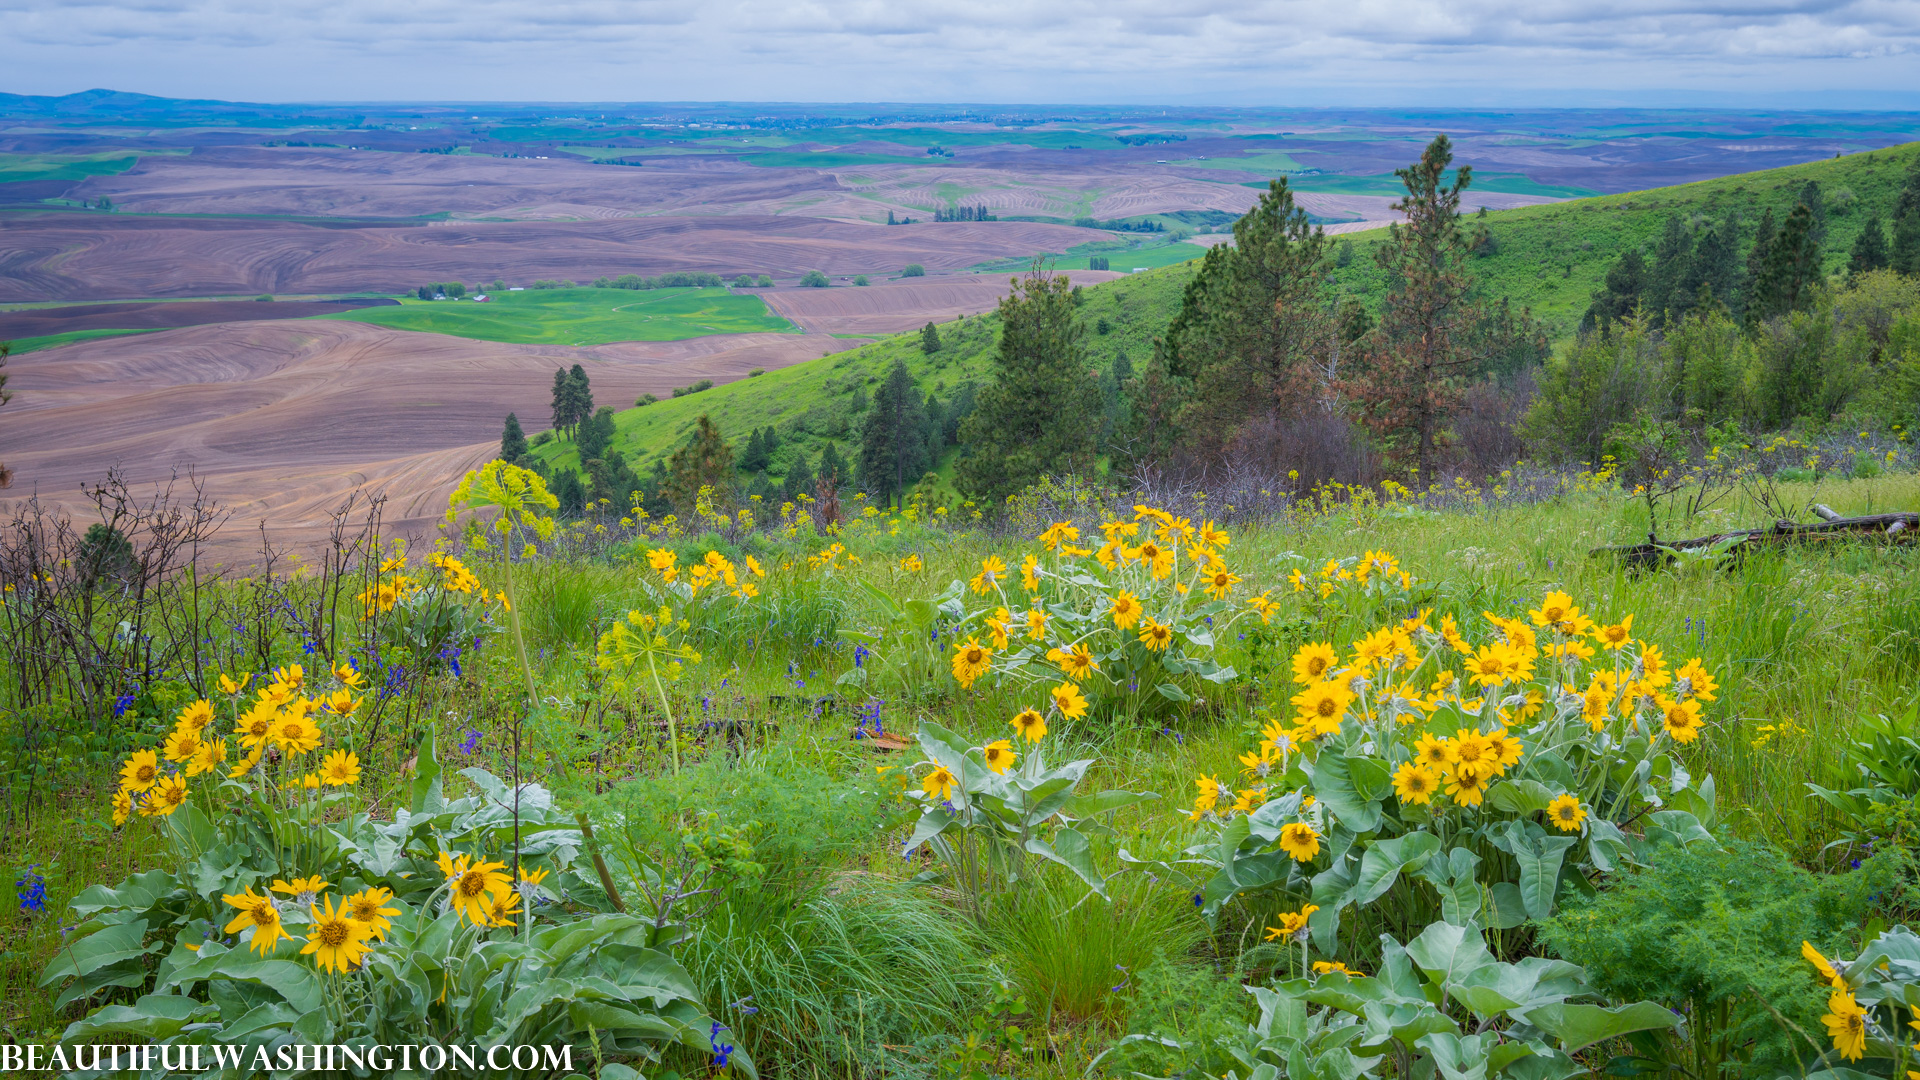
582, 316
1552, 258
49, 341
810, 402
1387, 184
17, 167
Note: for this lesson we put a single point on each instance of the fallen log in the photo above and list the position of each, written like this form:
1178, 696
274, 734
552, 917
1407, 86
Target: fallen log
1895, 528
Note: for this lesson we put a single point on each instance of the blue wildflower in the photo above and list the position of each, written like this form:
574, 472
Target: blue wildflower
472, 741
722, 1052
31, 888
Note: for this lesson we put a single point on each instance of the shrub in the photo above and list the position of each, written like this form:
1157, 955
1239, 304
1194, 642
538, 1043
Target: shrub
814, 279
1716, 933
914, 270
640, 402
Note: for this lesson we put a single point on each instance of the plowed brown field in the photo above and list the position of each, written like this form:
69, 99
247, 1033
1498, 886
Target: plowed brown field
59, 256
283, 419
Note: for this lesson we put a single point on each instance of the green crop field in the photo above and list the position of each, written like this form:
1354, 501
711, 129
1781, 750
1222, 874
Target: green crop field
582, 316
17, 167
1149, 256
48, 341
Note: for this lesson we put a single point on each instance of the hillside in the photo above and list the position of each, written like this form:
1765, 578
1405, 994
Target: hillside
1550, 258
810, 403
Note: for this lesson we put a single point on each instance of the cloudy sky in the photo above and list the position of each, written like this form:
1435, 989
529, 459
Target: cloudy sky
1812, 53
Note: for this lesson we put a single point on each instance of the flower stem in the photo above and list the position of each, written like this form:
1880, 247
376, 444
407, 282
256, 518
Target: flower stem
673, 730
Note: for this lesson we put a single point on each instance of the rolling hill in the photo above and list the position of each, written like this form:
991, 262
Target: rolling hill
1549, 258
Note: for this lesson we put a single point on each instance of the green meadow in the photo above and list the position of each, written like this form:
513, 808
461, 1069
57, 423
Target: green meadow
583, 316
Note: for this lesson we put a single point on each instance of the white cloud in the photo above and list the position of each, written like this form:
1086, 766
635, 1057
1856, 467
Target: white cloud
995, 50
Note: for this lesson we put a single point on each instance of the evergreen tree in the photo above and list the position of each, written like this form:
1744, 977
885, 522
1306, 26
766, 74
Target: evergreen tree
956, 413
579, 399
893, 441
1757, 258
1903, 254
1113, 399
1792, 268
1816, 204
1667, 297
1619, 296
1041, 415
704, 461
834, 468
798, 481
758, 453
1253, 326
1715, 265
571, 492
612, 479
1870, 250
929, 339
1424, 346
513, 441
596, 435
562, 403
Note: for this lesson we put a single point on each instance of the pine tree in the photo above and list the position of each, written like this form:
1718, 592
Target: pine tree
1041, 415
596, 435
513, 441
757, 454
1870, 250
1253, 333
929, 339
1792, 268
1903, 254
704, 461
1423, 347
798, 481
1620, 295
562, 403
579, 395
1757, 258
571, 493
1715, 266
893, 441
834, 468
1667, 297
1816, 204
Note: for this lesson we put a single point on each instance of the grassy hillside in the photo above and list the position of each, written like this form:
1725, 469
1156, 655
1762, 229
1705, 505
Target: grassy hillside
811, 403
1549, 258
1552, 258
582, 316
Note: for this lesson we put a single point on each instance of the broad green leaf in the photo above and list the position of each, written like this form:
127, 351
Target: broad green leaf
426, 777
1503, 906
1371, 778
1449, 953
1386, 860
1171, 692
1520, 797
96, 950
154, 1017
1580, 1026
1071, 850
141, 893
1333, 786
1539, 857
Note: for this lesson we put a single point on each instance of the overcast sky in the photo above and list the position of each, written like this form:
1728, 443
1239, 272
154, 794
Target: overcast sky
1835, 53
